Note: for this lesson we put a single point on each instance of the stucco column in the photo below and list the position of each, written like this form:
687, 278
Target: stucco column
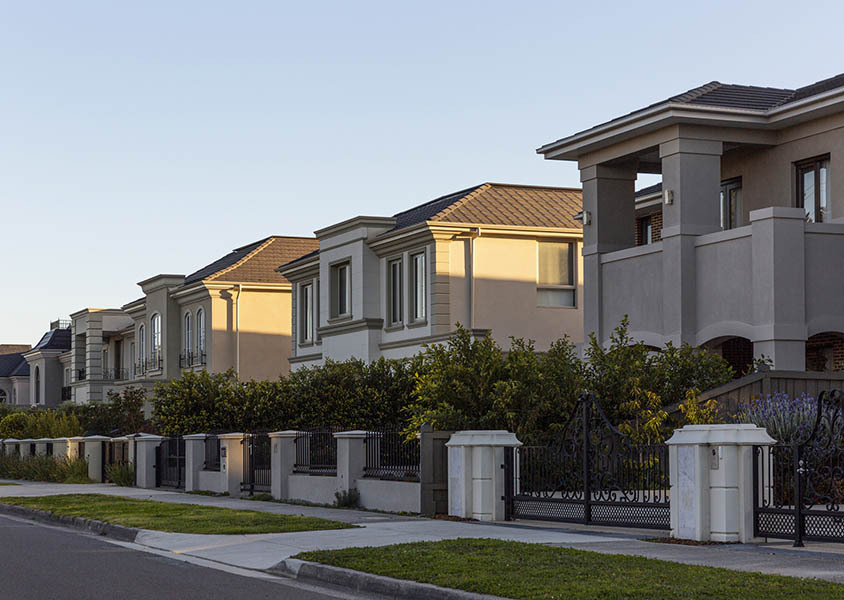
10, 445
691, 182
475, 476
232, 452
94, 456
145, 446
60, 447
282, 459
779, 286
351, 458
194, 459
711, 471
41, 446
609, 203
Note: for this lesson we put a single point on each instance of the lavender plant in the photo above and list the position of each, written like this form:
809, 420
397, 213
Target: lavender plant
788, 420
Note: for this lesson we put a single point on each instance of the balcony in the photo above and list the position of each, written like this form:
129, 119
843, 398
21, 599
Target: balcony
115, 374
191, 359
81, 375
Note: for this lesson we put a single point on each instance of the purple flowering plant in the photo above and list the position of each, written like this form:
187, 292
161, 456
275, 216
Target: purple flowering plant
788, 420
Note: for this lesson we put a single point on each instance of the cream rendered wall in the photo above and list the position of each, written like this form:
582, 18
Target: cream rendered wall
768, 174
193, 307
20, 389
505, 273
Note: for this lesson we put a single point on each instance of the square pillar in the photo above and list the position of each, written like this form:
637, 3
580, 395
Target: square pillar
351, 458
711, 471
232, 462
609, 201
60, 447
282, 459
145, 447
691, 177
779, 286
94, 456
41, 446
194, 459
26, 447
10, 446
475, 476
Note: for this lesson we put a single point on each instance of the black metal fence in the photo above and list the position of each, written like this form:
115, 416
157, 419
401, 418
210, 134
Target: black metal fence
212, 453
258, 469
170, 463
115, 374
316, 452
391, 455
590, 473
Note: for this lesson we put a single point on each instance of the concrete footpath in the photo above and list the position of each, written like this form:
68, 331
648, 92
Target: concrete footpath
264, 551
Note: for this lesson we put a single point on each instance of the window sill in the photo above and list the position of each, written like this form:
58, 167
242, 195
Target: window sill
339, 319
305, 344
394, 327
557, 307
420, 323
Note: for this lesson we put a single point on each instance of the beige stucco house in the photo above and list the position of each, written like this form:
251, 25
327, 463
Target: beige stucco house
494, 257
14, 374
232, 314
49, 367
740, 246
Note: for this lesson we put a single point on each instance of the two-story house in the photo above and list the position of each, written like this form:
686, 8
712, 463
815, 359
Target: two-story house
14, 374
49, 367
494, 257
739, 247
234, 313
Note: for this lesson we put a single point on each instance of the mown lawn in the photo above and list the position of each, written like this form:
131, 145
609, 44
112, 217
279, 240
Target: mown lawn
8, 483
169, 516
517, 570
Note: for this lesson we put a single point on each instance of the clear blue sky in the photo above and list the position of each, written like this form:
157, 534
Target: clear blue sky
154, 137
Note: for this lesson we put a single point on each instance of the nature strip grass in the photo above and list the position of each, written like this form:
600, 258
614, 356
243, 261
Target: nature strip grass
519, 570
170, 516
8, 483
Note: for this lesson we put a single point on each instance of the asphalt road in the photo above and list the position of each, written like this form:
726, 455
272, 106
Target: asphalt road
42, 562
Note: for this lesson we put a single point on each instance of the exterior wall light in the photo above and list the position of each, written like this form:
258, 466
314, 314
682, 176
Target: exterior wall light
668, 196
585, 217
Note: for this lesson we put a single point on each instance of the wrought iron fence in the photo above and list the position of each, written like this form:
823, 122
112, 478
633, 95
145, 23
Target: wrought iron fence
115, 374
67, 393
170, 463
391, 455
258, 471
212, 453
186, 360
154, 362
316, 452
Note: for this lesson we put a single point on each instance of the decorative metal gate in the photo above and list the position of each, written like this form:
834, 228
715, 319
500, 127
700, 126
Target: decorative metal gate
170, 463
258, 471
590, 473
798, 487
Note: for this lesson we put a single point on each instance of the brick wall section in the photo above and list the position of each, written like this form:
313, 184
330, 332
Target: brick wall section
656, 228
823, 348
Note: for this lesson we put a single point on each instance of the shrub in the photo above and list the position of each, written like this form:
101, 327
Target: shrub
44, 468
122, 474
39, 424
347, 498
787, 419
120, 414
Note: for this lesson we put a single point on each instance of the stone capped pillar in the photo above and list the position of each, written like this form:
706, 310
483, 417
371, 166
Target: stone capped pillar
232, 451
145, 447
282, 459
711, 472
351, 458
194, 459
11, 446
94, 456
41, 446
60, 447
475, 476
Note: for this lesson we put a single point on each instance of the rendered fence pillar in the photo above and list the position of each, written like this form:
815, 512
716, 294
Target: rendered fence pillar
145, 446
11, 446
26, 446
94, 456
282, 459
194, 459
60, 447
73, 447
351, 458
475, 476
41, 446
711, 471
232, 461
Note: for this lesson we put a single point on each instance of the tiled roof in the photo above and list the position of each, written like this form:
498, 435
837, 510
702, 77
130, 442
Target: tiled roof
256, 262
10, 364
56, 339
502, 204
651, 189
22, 370
14, 348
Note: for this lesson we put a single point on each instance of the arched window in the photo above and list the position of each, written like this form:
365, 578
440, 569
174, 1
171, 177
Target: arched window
200, 332
155, 338
37, 385
188, 334
142, 347
2, 397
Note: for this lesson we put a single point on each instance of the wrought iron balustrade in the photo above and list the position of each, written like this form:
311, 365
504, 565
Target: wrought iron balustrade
316, 452
67, 393
391, 455
81, 375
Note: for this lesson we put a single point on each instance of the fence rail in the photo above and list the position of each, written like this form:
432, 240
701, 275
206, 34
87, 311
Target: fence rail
390, 455
316, 452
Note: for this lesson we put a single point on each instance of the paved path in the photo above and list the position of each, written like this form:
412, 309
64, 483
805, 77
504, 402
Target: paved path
825, 561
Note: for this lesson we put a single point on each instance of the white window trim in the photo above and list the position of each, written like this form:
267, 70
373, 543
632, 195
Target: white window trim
345, 262
413, 318
574, 275
393, 323
305, 332
155, 353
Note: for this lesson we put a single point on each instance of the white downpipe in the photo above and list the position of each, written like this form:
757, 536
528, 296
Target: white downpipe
237, 330
472, 237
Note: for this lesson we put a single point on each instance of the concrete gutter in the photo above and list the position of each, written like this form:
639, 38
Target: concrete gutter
367, 583
118, 532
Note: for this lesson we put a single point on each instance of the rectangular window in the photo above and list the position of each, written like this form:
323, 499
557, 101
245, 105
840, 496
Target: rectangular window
731, 207
306, 313
645, 231
316, 310
555, 280
340, 290
419, 289
395, 297
813, 188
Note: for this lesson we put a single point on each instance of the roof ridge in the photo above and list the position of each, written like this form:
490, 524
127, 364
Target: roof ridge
454, 205
534, 186
438, 199
696, 92
263, 244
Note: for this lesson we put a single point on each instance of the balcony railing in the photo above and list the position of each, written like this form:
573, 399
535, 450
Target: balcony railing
81, 375
115, 374
67, 395
153, 363
191, 359
60, 324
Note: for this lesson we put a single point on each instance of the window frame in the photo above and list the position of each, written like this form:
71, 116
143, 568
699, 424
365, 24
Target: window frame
645, 224
727, 186
814, 165
417, 315
572, 267
155, 351
306, 309
200, 332
395, 291
142, 342
334, 292
187, 325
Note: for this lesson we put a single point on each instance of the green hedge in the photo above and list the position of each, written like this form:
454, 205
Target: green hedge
44, 468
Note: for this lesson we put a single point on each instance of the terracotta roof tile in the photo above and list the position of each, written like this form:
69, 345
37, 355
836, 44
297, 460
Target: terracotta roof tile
257, 263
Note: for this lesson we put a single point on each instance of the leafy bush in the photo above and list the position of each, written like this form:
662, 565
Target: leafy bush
44, 468
787, 419
347, 498
122, 474
39, 424
120, 414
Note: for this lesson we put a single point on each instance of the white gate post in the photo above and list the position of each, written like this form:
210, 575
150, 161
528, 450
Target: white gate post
711, 471
475, 476
351, 458
94, 456
194, 459
282, 459
145, 459
232, 451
